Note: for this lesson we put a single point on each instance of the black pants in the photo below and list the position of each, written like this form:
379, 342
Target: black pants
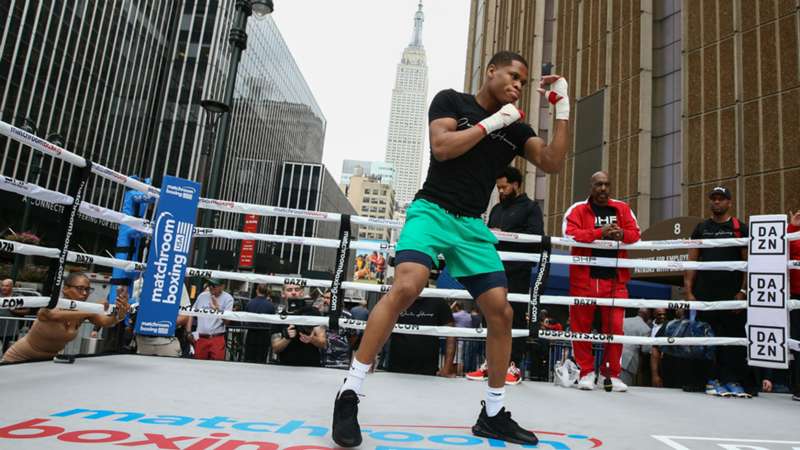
730, 362
257, 345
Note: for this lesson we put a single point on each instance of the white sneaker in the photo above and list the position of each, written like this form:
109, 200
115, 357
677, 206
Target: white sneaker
586, 383
617, 385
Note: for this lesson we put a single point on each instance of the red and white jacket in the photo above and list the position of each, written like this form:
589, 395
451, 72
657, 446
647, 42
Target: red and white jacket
794, 253
579, 224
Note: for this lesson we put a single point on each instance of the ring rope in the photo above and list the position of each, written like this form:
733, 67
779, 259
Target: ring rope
454, 294
424, 330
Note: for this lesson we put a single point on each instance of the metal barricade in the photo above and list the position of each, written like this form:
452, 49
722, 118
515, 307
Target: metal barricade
13, 329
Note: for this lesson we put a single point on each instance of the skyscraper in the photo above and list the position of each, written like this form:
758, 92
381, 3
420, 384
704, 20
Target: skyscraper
671, 98
122, 82
404, 146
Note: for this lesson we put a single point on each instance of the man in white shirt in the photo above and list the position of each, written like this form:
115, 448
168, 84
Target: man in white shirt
210, 343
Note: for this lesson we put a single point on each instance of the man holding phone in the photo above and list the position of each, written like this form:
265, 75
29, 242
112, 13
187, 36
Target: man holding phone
298, 345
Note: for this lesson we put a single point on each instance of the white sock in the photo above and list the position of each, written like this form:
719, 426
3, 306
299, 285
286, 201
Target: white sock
358, 371
494, 400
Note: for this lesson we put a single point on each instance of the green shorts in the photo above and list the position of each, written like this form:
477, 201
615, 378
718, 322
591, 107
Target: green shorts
466, 242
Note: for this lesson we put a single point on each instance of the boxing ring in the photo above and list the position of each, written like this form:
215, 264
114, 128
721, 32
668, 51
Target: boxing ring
127, 400
150, 402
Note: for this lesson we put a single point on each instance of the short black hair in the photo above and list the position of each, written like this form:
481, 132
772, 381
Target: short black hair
505, 58
511, 174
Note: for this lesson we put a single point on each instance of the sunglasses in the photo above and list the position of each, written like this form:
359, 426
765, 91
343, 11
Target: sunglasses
85, 289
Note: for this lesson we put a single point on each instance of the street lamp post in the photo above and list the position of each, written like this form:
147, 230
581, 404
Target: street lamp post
214, 111
238, 41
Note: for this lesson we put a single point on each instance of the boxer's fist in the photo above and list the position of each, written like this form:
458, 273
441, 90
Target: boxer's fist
507, 115
557, 95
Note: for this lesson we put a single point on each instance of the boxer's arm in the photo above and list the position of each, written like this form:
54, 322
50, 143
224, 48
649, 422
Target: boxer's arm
447, 142
550, 158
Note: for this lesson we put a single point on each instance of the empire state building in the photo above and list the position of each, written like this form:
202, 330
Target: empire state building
407, 120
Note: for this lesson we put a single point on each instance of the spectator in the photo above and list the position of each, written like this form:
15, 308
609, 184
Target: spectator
211, 331
340, 345
373, 264
549, 322
54, 328
518, 214
420, 354
323, 302
682, 366
638, 325
462, 319
599, 217
298, 345
539, 349
360, 311
729, 370
163, 345
659, 320
258, 333
8, 328
794, 316
380, 268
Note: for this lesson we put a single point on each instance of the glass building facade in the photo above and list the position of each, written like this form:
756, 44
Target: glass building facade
122, 82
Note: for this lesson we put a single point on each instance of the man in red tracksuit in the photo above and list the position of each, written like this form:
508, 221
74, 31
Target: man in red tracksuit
794, 325
600, 217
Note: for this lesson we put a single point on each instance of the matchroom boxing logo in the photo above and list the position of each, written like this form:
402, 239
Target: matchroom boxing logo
136, 429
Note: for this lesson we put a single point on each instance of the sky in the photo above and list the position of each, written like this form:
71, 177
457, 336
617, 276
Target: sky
348, 51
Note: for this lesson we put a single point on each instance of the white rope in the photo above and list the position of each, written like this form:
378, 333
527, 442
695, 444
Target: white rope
637, 340
20, 302
423, 330
631, 303
505, 256
98, 212
75, 257
57, 152
451, 294
794, 345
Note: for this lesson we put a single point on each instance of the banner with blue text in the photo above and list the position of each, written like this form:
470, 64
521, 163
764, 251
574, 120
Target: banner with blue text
173, 227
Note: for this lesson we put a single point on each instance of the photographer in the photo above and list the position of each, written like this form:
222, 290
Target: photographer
298, 345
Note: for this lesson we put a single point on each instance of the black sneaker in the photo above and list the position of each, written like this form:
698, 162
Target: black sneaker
346, 432
502, 427
796, 396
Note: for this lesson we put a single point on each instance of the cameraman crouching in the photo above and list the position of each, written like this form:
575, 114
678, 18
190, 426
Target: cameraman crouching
298, 345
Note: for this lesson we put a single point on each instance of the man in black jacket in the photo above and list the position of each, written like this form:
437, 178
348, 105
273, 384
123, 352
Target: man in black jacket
516, 213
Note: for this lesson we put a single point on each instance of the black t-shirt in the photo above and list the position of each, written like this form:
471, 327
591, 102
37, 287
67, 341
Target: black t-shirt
463, 185
603, 215
718, 284
419, 354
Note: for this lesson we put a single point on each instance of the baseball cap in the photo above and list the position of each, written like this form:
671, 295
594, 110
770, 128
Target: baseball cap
720, 190
214, 281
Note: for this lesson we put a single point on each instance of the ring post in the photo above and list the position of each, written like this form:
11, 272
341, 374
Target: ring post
342, 257
537, 289
77, 189
768, 292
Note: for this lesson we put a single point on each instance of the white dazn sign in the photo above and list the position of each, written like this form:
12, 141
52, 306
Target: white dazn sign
767, 292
